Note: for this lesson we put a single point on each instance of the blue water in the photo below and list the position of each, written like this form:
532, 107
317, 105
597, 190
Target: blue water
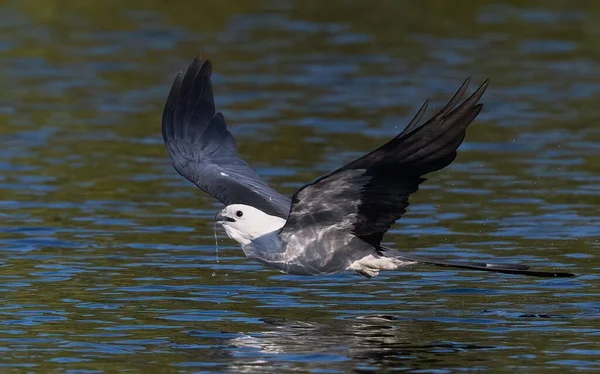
108, 258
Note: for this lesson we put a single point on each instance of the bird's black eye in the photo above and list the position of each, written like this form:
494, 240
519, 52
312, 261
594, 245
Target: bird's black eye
239, 213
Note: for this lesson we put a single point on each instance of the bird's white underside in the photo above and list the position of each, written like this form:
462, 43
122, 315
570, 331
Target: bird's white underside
258, 234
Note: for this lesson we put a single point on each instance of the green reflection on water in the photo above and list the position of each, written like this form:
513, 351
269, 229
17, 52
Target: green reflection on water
109, 255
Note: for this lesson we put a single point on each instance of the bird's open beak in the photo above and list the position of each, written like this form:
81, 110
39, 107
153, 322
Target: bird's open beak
221, 218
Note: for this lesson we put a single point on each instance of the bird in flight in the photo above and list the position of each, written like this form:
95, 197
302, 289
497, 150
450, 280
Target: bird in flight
335, 222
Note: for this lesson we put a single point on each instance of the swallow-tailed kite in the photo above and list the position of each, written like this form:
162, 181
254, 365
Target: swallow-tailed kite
335, 222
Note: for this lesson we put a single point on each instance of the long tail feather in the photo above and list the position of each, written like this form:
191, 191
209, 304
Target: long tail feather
482, 266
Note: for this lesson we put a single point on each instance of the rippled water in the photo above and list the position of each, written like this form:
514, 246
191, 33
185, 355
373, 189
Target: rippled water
108, 258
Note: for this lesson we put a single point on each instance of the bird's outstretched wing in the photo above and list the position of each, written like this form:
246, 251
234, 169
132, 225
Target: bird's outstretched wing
369, 194
204, 151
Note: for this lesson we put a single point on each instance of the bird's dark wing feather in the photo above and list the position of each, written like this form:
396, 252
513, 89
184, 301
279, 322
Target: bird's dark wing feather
204, 151
372, 192
483, 266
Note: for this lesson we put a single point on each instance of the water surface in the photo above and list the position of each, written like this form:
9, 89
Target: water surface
108, 256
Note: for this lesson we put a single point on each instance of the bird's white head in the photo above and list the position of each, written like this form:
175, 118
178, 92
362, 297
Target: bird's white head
244, 223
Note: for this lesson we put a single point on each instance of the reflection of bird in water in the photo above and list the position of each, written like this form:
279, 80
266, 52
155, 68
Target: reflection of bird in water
335, 222
378, 341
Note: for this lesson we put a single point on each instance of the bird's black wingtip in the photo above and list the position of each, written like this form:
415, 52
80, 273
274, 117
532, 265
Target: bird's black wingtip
465, 83
484, 85
200, 66
190, 97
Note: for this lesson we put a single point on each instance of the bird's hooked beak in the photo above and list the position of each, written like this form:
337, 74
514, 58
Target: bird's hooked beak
221, 217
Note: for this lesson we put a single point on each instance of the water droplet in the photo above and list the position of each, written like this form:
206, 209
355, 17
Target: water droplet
216, 242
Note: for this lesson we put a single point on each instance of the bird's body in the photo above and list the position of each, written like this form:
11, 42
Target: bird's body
334, 223
311, 251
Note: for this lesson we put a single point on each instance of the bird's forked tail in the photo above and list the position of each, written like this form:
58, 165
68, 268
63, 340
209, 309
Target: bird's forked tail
482, 266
